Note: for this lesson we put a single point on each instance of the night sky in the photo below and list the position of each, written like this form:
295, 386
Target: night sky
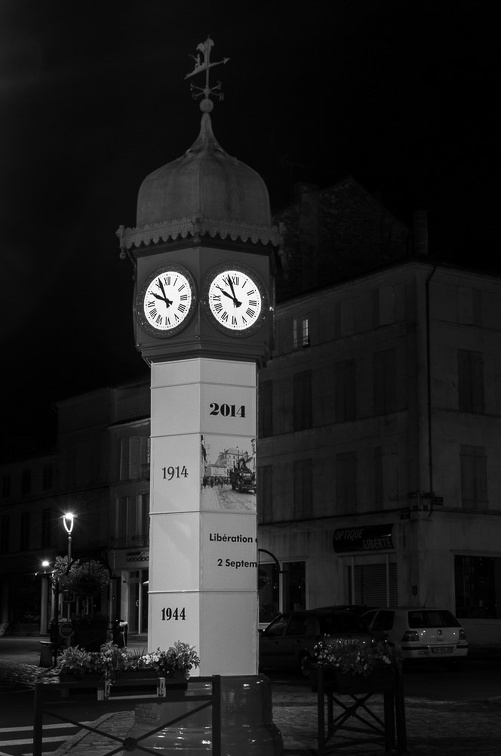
400, 95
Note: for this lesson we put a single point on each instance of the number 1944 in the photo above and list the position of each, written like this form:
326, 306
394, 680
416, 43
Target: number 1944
169, 613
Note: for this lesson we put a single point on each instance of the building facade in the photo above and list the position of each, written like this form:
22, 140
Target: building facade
378, 452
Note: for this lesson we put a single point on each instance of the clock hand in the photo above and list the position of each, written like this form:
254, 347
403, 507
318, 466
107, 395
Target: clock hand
164, 299
167, 301
226, 293
235, 300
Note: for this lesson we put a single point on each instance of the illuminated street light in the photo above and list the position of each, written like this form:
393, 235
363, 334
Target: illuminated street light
44, 596
68, 522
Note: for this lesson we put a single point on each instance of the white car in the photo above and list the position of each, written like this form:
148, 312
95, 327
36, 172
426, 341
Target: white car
421, 633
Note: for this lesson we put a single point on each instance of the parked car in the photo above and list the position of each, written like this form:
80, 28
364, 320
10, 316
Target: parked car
421, 633
288, 642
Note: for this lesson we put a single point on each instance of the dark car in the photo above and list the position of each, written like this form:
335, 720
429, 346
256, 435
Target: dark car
288, 641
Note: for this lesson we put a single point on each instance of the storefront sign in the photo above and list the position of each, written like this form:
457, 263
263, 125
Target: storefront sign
370, 538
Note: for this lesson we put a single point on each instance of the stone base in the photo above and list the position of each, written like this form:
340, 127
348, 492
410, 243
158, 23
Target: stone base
247, 727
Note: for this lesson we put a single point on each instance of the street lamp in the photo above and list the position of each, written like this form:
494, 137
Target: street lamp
44, 596
68, 522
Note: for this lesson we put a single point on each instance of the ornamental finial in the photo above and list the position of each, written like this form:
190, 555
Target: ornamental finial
203, 63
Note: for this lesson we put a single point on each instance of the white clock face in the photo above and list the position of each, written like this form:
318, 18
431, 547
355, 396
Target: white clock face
166, 301
236, 299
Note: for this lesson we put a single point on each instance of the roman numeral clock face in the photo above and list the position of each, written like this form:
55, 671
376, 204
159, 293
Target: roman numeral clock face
166, 301
235, 300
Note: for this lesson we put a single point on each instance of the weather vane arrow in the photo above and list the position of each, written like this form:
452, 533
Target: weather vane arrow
203, 63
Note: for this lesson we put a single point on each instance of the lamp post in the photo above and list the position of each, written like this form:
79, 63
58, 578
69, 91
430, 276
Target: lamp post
44, 598
68, 522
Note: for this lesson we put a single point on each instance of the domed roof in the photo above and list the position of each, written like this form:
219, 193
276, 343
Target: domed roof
204, 182
206, 191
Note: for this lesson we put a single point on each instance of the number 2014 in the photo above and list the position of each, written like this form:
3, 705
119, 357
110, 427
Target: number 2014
227, 410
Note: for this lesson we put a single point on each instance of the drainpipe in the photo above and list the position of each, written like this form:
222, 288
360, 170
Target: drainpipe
428, 382
420, 243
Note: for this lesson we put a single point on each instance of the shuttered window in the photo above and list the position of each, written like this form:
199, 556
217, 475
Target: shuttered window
385, 382
371, 587
474, 477
302, 400
345, 391
265, 493
471, 381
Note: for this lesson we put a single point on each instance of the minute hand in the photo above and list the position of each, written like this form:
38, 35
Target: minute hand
237, 303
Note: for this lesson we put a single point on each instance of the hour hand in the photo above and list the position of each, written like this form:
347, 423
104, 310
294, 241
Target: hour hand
164, 299
226, 293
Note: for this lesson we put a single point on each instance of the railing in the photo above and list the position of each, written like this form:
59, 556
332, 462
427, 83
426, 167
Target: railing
344, 709
51, 700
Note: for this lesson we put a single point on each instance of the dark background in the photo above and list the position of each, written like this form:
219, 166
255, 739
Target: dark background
93, 98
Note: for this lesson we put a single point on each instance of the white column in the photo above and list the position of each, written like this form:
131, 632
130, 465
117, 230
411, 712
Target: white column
203, 548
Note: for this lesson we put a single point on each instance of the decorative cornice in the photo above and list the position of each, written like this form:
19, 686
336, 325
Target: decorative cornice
196, 227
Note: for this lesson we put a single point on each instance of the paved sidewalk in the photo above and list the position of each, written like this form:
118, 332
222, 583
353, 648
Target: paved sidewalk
445, 728
470, 728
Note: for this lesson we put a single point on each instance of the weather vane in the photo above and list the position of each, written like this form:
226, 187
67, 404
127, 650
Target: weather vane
203, 63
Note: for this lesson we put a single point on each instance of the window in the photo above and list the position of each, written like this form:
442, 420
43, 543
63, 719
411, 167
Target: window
300, 333
345, 391
372, 584
346, 482
268, 583
6, 479
130, 521
47, 522
302, 489
294, 582
265, 408
265, 493
385, 305
471, 381
383, 621
478, 587
134, 458
385, 382
144, 517
25, 531
302, 400
26, 482
474, 477
4, 534
48, 477
385, 476
469, 306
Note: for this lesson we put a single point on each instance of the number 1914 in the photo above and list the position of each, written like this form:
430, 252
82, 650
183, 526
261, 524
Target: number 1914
171, 472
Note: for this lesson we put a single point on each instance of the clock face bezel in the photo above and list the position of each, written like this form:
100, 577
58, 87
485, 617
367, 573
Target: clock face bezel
144, 322
217, 273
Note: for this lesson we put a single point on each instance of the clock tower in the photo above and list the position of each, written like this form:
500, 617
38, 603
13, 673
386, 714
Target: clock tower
203, 252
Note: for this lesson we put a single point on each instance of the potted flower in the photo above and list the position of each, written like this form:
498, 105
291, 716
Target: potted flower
177, 661
356, 666
75, 663
112, 662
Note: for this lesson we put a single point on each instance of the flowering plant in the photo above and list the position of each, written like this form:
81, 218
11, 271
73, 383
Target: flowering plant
111, 660
357, 657
77, 662
179, 657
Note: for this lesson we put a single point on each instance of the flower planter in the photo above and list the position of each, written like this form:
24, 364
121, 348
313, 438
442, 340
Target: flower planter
377, 681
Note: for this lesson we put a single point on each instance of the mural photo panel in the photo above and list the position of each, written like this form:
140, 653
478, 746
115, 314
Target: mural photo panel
228, 473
